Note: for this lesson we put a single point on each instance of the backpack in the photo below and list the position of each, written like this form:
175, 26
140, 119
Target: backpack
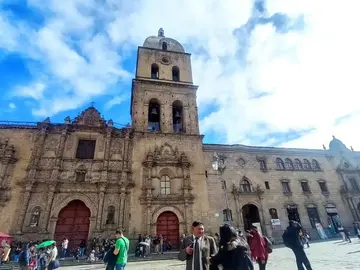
268, 245
287, 238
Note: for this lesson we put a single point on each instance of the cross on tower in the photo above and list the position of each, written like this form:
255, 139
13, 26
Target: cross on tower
92, 103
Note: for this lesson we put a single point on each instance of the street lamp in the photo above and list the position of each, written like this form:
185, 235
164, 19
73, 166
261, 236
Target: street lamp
218, 164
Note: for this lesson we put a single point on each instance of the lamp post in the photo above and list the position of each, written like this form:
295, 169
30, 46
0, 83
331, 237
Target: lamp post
218, 165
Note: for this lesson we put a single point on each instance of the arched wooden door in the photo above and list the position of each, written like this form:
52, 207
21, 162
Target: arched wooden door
168, 226
73, 223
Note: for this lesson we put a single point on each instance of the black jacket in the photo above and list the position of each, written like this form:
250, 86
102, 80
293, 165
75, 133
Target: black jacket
292, 238
110, 257
232, 256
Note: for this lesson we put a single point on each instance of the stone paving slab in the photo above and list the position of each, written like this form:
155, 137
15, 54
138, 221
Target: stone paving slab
333, 255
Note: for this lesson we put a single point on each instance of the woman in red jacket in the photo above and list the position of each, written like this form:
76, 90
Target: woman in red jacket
258, 248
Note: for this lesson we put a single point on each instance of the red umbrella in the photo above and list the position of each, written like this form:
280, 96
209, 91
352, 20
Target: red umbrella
4, 236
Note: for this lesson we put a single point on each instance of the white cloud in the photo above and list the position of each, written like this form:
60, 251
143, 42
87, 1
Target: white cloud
114, 101
12, 106
34, 91
310, 76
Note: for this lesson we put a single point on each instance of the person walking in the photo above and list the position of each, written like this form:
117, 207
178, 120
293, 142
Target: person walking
121, 250
292, 240
110, 259
258, 248
25, 257
234, 251
196, 248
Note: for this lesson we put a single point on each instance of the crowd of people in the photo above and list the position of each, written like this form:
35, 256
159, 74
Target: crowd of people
230, 248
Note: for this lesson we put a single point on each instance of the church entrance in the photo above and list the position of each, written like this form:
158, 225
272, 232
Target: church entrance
73, 223
168, 226
251, 216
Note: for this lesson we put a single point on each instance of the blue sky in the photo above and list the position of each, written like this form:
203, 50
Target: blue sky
277, 73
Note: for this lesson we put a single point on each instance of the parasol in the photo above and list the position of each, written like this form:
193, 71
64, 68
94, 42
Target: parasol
45, 244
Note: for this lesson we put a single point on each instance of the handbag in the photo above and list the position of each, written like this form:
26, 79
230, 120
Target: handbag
54, 264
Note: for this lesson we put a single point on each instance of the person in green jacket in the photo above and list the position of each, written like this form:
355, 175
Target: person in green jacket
121, 250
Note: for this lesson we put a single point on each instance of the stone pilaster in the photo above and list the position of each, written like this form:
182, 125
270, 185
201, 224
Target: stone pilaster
49, 203
100, 207
122, 208
23, 207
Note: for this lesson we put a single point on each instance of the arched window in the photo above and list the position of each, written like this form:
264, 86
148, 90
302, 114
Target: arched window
246, 187
110, 219
165, 185
280, 164
297, 164
35, 217
273, 213
175, 74
154, 115
154, 71
313, 215
323, 186
315, 165
164, 46
288, 164
177, 110
306, 164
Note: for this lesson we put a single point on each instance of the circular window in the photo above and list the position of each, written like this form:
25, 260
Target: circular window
165, 60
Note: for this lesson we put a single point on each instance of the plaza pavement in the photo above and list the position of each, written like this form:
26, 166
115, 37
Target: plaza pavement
331, 255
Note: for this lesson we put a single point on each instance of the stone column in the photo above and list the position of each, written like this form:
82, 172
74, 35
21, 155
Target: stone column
104, 174
187, 218
126, 152
121, 208
186, 120
60, 150
23, 208
100, 207
49, 203
148, 218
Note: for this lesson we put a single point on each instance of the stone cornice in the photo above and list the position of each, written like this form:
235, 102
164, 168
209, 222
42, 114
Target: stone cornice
163, 83
56, 128
146, 134
261, 150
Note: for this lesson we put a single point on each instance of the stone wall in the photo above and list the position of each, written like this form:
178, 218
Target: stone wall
245, 164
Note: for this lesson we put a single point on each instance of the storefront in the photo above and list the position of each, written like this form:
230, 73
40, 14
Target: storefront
333, 217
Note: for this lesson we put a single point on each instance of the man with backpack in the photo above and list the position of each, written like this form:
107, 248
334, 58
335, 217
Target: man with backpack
121, 250
292, 240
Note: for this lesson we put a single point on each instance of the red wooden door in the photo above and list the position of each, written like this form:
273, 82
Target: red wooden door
73, 223
168, 226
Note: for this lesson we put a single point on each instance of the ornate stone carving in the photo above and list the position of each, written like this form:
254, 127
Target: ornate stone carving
116, 148
7, 152
89, 117
241, 162
35, 217
166, 155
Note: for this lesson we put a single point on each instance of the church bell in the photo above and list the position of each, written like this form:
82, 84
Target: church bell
153, 111
177, 115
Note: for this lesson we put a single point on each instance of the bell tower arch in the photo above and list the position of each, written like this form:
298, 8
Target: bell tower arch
163, 94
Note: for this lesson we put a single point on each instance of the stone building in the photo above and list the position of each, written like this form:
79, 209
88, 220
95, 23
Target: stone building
87, 177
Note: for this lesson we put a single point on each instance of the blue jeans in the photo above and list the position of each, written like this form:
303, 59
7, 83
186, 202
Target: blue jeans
64, 252
120, 266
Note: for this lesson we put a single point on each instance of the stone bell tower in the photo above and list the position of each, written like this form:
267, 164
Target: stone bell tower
168, 161
163, 94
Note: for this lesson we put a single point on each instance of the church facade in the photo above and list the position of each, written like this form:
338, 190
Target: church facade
86, 177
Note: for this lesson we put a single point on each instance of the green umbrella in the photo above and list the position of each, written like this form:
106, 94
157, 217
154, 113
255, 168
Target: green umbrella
45, 244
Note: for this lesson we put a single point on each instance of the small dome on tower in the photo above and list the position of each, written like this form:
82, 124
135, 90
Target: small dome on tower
337, 146
161, 42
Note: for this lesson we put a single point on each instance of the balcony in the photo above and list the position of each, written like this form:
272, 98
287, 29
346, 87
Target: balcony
245, 190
